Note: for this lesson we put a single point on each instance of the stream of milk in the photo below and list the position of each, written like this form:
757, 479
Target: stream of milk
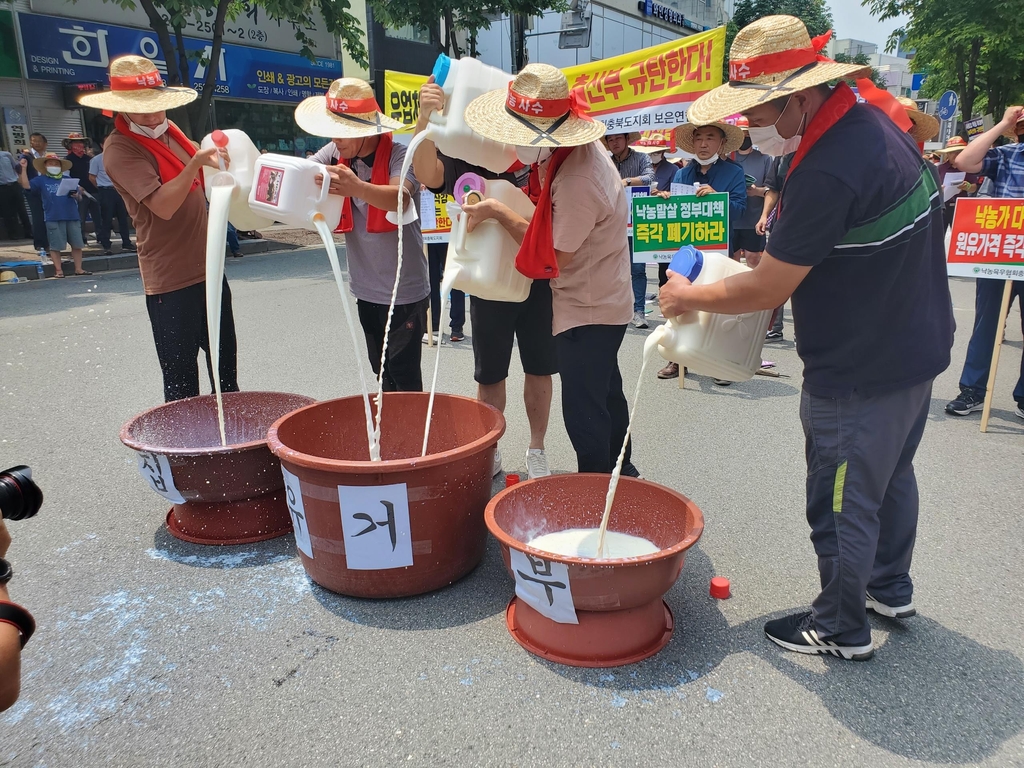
216, 246
446, 287
650, 347
327, 237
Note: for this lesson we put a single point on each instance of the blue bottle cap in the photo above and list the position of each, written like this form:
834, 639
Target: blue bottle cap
441, 67
687, 262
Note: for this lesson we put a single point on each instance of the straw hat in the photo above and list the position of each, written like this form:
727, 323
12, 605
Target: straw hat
348, 111
770, 58
955, 144
73, 137
136, 86
733, 136
537, 109
651, 142
40, 162
926, 127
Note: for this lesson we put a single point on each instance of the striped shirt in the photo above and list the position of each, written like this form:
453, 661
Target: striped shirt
636, 165
1005, 166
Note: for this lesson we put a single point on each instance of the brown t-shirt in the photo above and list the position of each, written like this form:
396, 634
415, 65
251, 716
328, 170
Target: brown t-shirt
172, 253
589, 213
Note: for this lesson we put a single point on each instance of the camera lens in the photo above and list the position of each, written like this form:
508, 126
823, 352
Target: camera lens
20, 497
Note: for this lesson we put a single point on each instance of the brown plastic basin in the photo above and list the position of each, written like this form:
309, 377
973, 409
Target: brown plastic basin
234, 493
622, 618
325, 446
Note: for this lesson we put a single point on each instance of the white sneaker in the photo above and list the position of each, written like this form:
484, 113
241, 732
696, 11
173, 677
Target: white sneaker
496, 468
426, 338
893, 612
537, 463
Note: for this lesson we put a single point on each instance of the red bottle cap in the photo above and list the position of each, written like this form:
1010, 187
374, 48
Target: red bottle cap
720, 588
511, 479
219, 138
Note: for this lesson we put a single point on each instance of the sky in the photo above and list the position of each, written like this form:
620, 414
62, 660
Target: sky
855, 21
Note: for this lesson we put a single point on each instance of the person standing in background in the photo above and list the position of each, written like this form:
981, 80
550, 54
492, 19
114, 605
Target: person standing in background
747, 243
111, 205
655, 144
773, 186
12, 203
61, 211
947, 164
88, 205
35, 204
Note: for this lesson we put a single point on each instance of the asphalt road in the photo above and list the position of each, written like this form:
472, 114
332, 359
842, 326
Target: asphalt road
154, 652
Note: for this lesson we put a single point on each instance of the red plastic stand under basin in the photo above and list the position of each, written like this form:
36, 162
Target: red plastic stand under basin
618, 603
232, 494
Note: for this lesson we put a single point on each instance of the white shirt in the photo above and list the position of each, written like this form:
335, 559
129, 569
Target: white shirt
96, 169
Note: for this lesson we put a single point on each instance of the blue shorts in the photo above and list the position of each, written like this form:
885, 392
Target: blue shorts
61, 233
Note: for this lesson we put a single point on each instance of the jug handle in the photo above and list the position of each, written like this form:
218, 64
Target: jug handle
460, 244
325, 184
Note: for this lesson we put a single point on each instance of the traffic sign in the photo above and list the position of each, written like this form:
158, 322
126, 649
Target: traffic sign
947, 105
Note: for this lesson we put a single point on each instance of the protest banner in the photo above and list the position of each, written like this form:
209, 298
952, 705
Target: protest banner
402, 99
434, 222
987, 241
662, 226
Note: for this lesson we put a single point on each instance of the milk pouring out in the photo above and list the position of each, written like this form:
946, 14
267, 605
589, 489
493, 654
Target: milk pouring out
723, 346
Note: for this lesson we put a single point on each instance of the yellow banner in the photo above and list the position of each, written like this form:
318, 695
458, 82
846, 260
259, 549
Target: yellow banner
641, 90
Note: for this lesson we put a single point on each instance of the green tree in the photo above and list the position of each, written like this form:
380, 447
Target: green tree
168, 19
975, 47
862, 58
815, 15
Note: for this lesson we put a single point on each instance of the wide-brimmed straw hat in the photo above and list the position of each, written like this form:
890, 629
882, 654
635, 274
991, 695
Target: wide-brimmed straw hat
926, 127
40, 162
733, 136
72, 138
136, 86
651, 142
770, 58
349, 110
537, 109
955, 144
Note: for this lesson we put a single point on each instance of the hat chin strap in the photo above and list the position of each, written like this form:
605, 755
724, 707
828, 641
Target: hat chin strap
541, 133
375, 123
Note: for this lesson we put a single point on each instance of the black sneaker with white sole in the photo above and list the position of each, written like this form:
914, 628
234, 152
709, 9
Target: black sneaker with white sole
796, 633
969, 401
893, 612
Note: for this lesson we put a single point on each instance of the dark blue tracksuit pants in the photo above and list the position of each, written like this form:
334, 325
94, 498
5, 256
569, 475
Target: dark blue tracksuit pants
862, 502
987, 303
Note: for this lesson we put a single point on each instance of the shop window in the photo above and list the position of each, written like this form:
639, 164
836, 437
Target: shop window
411, 33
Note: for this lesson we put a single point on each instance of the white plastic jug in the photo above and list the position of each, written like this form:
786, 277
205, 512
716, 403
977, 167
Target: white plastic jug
462, 80
726, 347
284, 188
483, 262
243, 155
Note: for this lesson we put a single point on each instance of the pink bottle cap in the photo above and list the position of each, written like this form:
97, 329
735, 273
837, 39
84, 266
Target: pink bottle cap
219, 138
467, 184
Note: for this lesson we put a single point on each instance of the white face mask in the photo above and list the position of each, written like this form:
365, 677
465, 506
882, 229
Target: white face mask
657, 157
771, 142
710, 161
153, 133
54, 170
533, 155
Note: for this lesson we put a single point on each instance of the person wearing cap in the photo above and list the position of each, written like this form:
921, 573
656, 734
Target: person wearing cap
635, 170
968, 186
498, 325
63, 226
1005, 167
157, 171
88, 204
747, 243
859, 248
577, 238
365, 164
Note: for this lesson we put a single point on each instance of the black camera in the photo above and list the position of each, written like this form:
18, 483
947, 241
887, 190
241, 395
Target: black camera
20, 497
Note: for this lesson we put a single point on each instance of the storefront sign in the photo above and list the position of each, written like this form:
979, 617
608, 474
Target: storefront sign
670, 15
252, 26
15, 129
651, 88
76, 51
662, 226
9, 64
987, 239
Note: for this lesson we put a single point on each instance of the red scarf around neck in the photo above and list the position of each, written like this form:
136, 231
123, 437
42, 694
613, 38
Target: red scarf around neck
380, 175
168, 164
536, 258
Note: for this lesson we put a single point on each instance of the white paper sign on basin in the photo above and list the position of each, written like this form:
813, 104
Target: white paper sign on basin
156, 470
544, 586
375, 523
293, 494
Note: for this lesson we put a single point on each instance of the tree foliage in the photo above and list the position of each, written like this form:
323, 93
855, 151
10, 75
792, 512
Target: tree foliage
169, 18
974, 47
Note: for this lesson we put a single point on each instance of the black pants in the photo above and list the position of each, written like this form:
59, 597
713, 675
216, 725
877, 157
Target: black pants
89, 206
408, 324
180, 332
112, 205
40, 240
662, 274
12, 209
594, 408
436, 257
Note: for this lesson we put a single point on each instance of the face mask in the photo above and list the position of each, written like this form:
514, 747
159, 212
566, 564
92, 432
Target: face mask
54, 170
771, 142
747, 144
533, 155
656, 157
710, 161
153, 133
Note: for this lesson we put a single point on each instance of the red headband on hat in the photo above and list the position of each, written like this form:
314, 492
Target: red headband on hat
783, 61
352, 106
545, 108
136, 82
